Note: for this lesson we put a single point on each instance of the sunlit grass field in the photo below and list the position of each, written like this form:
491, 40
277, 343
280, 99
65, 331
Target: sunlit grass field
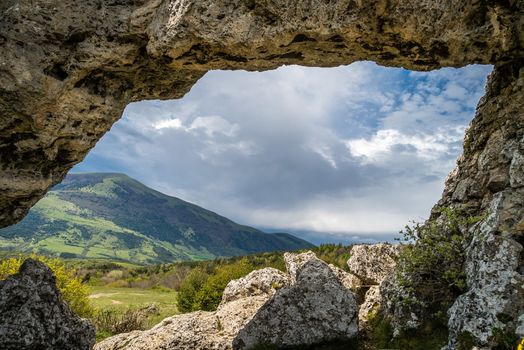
120, 299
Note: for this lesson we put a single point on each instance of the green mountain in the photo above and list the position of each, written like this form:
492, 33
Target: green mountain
111, 216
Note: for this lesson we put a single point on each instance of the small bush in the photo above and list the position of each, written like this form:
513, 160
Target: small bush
186, 297
432, 335
109, 322
505, 340
336, 254
210, 295
432, 268
74, 292
202, 290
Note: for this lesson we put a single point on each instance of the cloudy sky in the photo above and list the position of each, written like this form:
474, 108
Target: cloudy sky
332, 154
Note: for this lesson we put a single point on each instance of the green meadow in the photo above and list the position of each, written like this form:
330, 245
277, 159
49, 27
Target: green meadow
121, 299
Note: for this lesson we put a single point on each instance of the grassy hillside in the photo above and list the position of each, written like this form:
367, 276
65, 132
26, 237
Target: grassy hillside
111, 216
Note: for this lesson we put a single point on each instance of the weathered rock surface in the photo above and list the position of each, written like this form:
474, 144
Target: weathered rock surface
207, 330
398, 306
266, 306
259, 282
495, 296
33, 315
520, 326
372, 301
68, 68
316, 308
489, 178
372, 263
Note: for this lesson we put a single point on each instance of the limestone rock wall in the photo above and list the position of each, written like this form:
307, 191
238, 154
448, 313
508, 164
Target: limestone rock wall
69, 67
489, 179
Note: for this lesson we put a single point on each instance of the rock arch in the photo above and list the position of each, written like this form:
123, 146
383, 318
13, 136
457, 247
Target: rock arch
68, 68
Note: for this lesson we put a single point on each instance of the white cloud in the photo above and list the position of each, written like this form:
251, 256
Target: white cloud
385, 144
214, 125
168, 124
210, 125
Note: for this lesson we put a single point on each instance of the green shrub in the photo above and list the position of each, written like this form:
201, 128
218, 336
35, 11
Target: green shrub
202, 290
74, 292
432, 268
210, 295
432, 335
336, 254
505, 340
186, 297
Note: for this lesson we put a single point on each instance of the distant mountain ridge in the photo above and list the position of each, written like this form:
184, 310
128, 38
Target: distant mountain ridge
112, 216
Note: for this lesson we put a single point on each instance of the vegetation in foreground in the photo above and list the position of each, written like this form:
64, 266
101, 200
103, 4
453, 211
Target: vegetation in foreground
125, 298
121, 297
120, 310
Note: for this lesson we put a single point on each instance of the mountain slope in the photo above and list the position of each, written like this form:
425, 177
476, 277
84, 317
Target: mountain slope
106, 215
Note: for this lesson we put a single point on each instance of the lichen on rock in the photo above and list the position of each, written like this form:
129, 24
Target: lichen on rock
370, 265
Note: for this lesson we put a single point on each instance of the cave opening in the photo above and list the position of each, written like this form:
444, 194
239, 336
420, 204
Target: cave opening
347, 154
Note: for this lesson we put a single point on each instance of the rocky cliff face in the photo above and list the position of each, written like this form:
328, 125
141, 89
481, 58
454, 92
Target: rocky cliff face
33, 315
306, 305
489, 179
68, 68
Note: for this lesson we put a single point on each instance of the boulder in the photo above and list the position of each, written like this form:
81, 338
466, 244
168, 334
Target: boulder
200, 329
348, 280
192, 331
397, 305
259, 282
316, 308
195, 330
34, 316
295, 261
370, 305
372, 263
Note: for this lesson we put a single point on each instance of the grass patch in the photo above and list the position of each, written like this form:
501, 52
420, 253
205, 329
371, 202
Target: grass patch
113, 306
103, 297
